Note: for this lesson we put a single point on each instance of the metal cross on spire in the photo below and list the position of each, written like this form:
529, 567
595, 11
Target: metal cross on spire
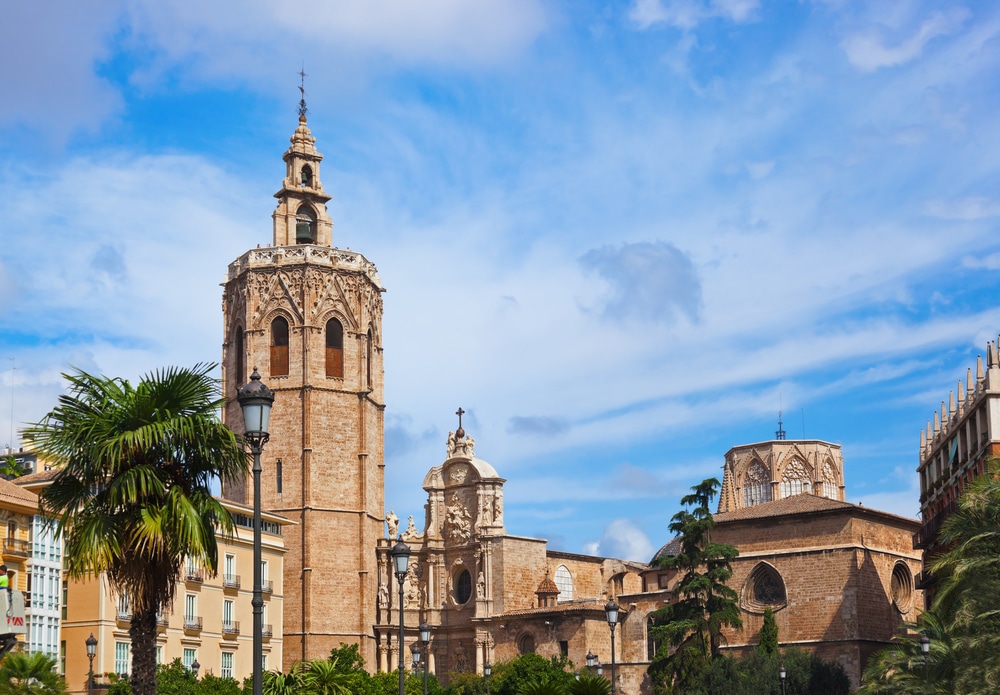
302, 90
459, 433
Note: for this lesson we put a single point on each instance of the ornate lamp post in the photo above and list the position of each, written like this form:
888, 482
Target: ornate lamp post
611, 611
415, 651
781, 673
425, 638
591, 661
925, 648
91, 652
195, 667
400, 554
256, 399
487, 669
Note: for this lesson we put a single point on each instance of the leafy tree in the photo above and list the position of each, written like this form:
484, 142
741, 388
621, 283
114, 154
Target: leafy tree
758, 674
10, 468
133, 496
587, 684
29, 674
769, 633
175, 679
692, 627
321, 677
278, 683
511, 677
348, 658
211, 684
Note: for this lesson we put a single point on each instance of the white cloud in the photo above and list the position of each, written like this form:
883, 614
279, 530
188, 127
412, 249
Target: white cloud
989, 262
971, 208
868, 50
622, 539
687, 14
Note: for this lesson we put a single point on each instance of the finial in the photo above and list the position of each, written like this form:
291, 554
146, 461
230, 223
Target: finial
780, 434
979, 369
459, 433
302, 90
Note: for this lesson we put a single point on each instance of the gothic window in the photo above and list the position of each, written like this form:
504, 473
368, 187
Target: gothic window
829, 481
764, 588
240, 375
334, 349
757, 486
278, 475
564, 580
526, 644
368, 359
279, 347
307, 176
795, 480
901, 586
463, 587
305, 225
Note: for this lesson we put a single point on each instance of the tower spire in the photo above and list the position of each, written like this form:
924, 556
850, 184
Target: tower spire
780, 434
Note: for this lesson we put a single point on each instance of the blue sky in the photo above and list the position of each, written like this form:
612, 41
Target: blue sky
621, 235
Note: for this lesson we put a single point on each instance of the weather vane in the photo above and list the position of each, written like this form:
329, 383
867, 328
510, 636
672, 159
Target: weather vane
302, 90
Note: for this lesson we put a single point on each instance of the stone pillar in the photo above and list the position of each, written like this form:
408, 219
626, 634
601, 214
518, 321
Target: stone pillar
431, 661
383, 658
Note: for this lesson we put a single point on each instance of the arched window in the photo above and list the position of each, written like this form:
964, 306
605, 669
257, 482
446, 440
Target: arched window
279, 347
795, 480
239, 375
764, 588
829, 481
901, 586
307, 176
526, 644
564, 580
757, 486
334, 349
305, 225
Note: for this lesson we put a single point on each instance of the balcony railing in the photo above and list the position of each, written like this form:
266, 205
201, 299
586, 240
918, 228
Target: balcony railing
193, 623
231, 581
193, 575
124, 615
231, 628
267, 586
266, 631
16, 547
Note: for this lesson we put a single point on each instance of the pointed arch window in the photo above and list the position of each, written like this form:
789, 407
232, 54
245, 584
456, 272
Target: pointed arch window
368, 359
795, 480
240, 372
305, 225
334, 349
564, 580
279, 347
829, 481
764, 588
757, 486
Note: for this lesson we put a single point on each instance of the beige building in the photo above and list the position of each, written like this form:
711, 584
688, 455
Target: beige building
211, 621
309, 317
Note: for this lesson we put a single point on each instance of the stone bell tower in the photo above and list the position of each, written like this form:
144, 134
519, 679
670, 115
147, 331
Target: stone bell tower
309, 316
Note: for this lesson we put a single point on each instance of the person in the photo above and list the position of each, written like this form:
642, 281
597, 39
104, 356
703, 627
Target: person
4, 581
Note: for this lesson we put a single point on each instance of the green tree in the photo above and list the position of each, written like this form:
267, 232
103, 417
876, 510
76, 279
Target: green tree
511, 677
278, 683
10, 468
133, 496
322, 677
769, 633
29, 674
587, 684
175, 679
692, 627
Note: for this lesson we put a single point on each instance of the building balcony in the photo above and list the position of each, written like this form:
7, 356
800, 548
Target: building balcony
230, 628
231, 581
16, 547
124, 616
267, 586
266, 631
196, 576
192, 623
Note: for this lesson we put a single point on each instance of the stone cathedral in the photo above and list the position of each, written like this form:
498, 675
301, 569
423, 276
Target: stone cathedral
838, 577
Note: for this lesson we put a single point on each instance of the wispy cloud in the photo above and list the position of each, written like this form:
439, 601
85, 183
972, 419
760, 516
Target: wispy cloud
869, 50
687, 14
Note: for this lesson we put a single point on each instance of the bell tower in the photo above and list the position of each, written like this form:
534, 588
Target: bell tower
309, 316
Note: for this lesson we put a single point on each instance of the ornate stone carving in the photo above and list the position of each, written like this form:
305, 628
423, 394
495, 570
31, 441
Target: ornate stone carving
498, 507
461, 446
411, 533
392, 521
458, 522
383, 596
457, 474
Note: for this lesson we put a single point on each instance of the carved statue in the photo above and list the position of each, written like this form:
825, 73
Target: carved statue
486, 514
383, 596
458, 520
451, 444
411, 531
392, 521
498, 507
481, 586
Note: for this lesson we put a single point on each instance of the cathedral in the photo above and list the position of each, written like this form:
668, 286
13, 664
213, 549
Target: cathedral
838, 576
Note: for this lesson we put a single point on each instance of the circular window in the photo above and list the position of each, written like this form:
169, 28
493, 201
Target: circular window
463, 587
901, 587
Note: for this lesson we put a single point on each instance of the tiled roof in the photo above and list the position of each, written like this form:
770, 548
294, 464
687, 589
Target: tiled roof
12, 494
39, 477
797, 504
568, 607
669, 549
547, 586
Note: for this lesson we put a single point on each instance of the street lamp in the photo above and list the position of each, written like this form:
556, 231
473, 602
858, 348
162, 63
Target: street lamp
591, 661
400, 554
600, 670
255, 400
487, 669
195, 666
611, 611
425, 638
925, 648
781, 673
415, 650
91, 652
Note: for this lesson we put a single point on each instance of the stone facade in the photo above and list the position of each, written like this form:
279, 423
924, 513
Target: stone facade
309, 316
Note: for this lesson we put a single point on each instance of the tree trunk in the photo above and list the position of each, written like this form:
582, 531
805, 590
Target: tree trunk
143, 634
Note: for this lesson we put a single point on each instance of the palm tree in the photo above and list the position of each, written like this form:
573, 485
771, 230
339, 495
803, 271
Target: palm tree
322, 677
133, 495
34, 674
278, 683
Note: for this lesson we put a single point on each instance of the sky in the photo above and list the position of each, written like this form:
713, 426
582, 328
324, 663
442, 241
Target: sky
621, 236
